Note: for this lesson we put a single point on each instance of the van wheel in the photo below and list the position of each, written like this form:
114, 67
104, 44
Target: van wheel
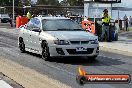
45, 51
21, 45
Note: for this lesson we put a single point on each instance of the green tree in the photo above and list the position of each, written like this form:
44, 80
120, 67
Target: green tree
9, 2
53, 2
24, 2
80, 2
48, 2
64, 3
72, 2
41, 2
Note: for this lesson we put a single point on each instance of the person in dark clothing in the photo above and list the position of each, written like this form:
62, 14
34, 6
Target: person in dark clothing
127, 24
11, 20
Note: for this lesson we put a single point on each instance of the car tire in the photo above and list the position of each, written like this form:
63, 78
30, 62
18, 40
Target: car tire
92, 58
1, 21
21, 45
45, 51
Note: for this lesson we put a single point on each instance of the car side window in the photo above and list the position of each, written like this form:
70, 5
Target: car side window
33, 23
30, 25
37, 23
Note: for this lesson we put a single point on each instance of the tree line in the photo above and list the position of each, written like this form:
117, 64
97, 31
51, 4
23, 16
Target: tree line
42, 2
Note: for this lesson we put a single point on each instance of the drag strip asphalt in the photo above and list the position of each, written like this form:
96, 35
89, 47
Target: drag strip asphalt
66, 69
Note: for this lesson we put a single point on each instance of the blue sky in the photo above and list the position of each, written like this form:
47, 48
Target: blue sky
128, 3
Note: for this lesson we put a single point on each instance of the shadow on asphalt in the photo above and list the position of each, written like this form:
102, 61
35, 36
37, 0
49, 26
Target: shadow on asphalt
84, 61
100, 61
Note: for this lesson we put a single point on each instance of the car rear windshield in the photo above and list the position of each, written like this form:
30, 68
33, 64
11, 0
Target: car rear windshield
61, 25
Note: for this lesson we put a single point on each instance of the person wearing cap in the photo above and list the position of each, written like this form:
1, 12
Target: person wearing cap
105, 24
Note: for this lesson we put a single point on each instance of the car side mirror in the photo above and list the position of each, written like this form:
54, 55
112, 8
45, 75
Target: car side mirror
36, 30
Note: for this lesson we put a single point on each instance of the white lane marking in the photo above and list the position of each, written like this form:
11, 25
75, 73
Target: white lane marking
3, 84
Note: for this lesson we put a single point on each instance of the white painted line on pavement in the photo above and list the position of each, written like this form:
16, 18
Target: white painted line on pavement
3, 84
